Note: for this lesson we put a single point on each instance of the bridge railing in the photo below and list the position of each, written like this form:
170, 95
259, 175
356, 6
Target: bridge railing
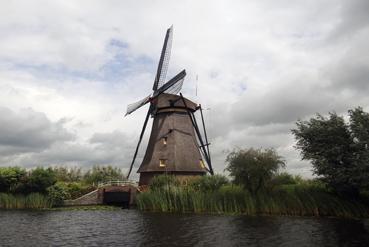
117, 183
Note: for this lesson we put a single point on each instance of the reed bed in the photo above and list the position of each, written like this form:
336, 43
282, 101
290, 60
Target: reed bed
30, 201
292, 200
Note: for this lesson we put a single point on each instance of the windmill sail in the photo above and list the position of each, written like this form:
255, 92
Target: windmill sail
161, 73
177, 80
176, 88
134, 106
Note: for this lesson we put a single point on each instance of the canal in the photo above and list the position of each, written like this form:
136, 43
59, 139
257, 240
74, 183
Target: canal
134, 228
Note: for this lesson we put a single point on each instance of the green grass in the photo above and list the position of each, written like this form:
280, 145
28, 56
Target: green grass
292, 200
30, 201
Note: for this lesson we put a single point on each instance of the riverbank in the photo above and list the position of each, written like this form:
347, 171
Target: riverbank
289, 200
30, 201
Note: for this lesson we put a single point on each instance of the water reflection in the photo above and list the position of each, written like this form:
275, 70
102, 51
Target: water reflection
133, 228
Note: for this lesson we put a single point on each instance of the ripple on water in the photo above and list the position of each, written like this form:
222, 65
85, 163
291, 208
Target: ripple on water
134, 228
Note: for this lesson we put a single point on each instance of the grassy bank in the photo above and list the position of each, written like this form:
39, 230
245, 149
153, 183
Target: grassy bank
30, 201
293, 200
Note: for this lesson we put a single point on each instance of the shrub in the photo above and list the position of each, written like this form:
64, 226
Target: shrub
40, 179
77, 189
209, 183
10, 178
57, 194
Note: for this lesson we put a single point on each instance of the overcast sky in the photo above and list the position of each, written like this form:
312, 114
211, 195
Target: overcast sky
69, 68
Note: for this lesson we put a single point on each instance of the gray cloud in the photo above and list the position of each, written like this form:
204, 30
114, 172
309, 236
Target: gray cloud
353, 18
113, 148
261, 65
29, 131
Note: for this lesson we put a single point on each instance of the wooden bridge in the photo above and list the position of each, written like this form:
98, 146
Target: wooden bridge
114, 192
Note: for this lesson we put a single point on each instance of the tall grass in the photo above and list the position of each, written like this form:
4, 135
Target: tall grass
294, 200
30, 201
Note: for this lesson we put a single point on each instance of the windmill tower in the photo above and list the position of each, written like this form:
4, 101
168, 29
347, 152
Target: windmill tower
176, 145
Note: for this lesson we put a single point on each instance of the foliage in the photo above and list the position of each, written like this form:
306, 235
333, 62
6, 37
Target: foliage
53, 185
57, 194
40, 179
293, 199
209, 183
100, 174
338, 150
253, 168
162, 181
10, 178
67, 174
18, 201
285, 178
77, 189
72, 180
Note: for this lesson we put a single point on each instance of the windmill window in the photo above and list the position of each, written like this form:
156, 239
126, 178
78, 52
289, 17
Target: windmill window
165, 139
162, 163
202, 163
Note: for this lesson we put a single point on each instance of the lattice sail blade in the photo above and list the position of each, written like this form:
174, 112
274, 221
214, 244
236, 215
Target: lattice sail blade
162, 70
176, 88
178, 79
134, 106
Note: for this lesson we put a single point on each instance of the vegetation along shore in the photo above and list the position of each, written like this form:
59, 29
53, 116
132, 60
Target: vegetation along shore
49, 187
337, 149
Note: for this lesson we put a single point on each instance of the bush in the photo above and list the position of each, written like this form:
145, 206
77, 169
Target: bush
286, 178
40, 179
57, 194
10, 178
77, 189
209, 183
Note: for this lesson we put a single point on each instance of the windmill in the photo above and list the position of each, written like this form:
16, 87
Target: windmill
176, 145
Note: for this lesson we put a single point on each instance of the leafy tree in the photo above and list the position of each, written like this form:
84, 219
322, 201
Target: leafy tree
10, 178
68, 174
253, 168
40, 179
338, 150
103, 174
359, 127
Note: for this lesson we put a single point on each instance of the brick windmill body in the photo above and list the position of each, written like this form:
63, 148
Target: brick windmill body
176, 145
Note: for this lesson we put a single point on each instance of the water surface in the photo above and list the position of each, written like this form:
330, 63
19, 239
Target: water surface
134, 228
